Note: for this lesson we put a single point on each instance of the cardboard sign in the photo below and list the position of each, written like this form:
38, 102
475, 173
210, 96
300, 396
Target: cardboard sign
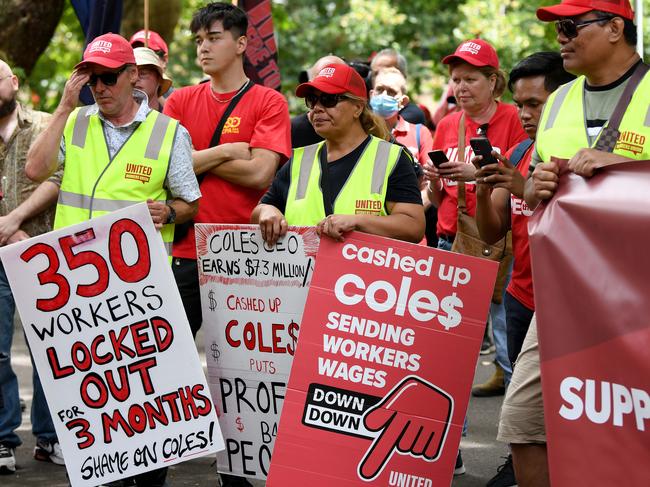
589, 250
382, 375
113, 347
252, 300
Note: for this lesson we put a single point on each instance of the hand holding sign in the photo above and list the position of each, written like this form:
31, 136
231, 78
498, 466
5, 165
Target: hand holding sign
405, 423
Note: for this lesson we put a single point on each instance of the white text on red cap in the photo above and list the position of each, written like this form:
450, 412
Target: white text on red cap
327, 72
471, 47
103, 46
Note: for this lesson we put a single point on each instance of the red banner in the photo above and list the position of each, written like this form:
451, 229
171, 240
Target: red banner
589, 247
261, 63
381, 378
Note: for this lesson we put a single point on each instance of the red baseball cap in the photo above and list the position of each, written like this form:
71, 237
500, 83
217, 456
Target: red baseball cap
335, 79
109, 50
571, 8
476, 52
156, 42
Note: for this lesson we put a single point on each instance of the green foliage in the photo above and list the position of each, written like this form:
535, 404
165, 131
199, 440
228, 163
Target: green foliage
46, 81
182, 65
423, 30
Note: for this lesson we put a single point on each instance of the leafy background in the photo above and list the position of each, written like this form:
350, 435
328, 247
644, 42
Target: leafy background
423, 30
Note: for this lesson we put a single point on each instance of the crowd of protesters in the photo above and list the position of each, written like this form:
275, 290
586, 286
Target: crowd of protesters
227, 151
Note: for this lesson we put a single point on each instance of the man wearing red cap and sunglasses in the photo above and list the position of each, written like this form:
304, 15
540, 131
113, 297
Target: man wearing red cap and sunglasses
98, 145
597, 39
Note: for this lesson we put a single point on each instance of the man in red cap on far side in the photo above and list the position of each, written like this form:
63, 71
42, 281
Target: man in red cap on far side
155, 42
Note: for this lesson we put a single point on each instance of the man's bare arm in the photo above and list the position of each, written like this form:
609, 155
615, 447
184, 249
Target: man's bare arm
43, 197
257, 173
160, 211
207, 159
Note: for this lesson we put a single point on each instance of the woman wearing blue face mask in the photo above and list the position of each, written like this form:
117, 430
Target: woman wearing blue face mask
387, 98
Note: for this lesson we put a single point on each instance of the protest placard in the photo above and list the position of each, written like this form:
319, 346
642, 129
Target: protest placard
252, 298
591, 299
113, 347
382, 375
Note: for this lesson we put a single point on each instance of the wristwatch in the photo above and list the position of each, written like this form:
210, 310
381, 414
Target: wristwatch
172, 215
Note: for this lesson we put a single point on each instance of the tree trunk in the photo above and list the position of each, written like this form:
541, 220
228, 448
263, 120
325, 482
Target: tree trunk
163, 17
26, 28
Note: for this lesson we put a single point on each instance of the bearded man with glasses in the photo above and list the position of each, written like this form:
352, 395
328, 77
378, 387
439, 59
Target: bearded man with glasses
98, 144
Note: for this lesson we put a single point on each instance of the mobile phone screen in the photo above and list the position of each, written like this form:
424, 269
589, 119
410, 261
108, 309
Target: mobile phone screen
438, 157
482, 147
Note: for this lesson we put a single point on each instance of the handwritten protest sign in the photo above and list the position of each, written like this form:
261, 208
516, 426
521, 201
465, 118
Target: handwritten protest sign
252, 300
113, 347
381, 378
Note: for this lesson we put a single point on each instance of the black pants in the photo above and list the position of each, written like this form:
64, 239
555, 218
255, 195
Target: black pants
155, 478
517, 322
186, 274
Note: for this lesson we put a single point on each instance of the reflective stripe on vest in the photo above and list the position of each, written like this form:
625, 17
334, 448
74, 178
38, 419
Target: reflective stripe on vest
563, 125
94, 184
363, 192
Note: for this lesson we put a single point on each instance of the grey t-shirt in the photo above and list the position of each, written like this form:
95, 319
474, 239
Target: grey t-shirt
600, 102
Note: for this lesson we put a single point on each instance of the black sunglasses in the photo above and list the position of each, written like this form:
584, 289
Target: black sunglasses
108, 79
325, 99
569, 27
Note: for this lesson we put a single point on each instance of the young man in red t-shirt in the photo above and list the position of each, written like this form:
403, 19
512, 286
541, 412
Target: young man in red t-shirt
500, 206
255, 140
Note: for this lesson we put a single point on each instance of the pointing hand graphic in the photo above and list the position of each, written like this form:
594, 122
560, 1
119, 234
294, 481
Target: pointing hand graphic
413, 419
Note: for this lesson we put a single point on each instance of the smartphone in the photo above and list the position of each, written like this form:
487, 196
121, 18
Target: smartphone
482, 147
438, 157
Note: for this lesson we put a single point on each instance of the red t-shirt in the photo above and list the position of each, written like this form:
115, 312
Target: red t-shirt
504, 132
521, 282
261, 118
406, 134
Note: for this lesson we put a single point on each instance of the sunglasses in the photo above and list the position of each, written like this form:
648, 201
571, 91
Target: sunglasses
569, 27
108, 79
325, 99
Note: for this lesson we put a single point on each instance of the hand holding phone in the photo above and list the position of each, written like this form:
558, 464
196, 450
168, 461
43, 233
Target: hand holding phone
438, 157
482, 147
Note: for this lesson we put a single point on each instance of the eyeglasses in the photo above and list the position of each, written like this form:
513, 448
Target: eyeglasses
325, 99
569, 27
108, 79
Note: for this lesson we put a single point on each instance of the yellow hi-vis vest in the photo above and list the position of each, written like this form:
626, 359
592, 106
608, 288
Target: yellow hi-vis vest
94, 184
364, 192
563, 131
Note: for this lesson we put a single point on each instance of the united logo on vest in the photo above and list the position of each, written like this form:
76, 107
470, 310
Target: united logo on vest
631, 142
232, 125
138, 172
367, 207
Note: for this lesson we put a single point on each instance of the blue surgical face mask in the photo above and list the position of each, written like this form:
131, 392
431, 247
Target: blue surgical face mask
383, 105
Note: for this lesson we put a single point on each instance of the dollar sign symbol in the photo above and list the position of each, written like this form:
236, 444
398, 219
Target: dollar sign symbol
249, 268
215, 351
240, 425
293, 333
213, 302
449, 305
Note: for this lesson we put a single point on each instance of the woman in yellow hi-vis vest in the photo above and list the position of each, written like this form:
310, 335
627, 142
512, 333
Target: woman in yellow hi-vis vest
353, 180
